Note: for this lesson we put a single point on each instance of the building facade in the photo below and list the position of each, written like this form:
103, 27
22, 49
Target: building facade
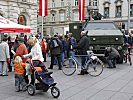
60, 14
117, 10
20, 11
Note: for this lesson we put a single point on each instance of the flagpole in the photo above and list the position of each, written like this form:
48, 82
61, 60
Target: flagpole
42, 26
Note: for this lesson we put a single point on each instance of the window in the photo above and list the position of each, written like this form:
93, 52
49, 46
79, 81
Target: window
24, 0
118, 11
106, 12
62, 15
131, 10
22, 20
53, 3
76, 16
93, 3
76, 2
53, 17
62, 3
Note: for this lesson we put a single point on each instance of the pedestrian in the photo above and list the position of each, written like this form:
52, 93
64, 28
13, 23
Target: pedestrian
55, 46
83, 46
44, 47
36, 51
4, 57
71, 44
10, 43
63, 49
35, 54
111, 55
22, 50
130, 42
19, 74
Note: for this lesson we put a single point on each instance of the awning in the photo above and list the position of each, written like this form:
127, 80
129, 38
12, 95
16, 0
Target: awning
9, 26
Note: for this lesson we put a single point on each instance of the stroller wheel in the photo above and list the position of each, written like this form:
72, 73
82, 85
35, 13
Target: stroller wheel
31, 89
55, 92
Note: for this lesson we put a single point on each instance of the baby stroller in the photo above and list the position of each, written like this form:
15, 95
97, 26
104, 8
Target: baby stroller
44, 80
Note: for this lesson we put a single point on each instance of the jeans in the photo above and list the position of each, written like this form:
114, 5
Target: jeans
19, 80
3, 67
62, 58
111, 61
58, 59
83, 59
71, 53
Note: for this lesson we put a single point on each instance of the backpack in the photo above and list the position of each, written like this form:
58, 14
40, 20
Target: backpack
54, 43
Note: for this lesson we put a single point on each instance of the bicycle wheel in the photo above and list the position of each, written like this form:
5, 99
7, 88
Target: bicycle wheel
95, 67
69, 69
125, 58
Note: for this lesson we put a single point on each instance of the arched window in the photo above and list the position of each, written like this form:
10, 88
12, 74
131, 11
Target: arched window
62, 3
22, 20
118, 8
106, 9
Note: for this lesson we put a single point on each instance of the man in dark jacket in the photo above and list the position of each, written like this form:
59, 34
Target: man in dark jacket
112, 54
83, 46
55, 46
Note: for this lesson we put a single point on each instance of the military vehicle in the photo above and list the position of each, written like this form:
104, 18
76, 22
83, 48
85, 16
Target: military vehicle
101, 34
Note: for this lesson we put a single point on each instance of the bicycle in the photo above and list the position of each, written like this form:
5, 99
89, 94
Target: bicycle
93, 64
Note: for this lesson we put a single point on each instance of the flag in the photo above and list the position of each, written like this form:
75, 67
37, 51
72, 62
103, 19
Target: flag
43, 7
81, 4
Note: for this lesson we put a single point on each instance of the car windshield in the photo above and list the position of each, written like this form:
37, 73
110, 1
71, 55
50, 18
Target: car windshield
100, 26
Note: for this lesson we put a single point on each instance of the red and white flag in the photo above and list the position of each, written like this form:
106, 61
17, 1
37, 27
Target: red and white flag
81, 4
43, 7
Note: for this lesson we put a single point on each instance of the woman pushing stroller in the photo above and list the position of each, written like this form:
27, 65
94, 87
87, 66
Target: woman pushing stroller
45, 81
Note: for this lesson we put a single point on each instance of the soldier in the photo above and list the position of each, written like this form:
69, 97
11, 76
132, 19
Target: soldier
111, 54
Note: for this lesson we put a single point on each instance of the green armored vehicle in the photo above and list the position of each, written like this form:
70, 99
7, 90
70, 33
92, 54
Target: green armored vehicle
102, 34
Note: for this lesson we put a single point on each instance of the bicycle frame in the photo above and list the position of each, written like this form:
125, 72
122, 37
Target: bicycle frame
78, 62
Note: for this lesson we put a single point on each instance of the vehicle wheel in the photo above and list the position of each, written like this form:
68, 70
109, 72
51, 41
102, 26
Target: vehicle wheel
120, 59
31, 89
69, 69
125, 58
95, 67
55, 92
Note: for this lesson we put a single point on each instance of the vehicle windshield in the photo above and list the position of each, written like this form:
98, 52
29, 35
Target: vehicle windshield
100, 26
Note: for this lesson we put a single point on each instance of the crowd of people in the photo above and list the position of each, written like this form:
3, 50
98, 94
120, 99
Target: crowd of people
15, 54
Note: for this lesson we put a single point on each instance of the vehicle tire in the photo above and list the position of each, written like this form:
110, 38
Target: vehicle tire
31, 89
120, 59
55, 92
67, 69
95, 67
125, 58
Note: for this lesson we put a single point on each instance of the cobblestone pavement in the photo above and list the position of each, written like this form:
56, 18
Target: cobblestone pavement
112, 84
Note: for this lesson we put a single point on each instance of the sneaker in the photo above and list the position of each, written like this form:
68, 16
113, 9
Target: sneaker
50, 68
114, 66
59, 68
109, 67
85, 72
5, 75
81, 73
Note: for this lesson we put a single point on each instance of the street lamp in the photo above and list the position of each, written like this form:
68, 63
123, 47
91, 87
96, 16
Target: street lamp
128, 24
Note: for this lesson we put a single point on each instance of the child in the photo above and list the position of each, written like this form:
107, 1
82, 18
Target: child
19, 74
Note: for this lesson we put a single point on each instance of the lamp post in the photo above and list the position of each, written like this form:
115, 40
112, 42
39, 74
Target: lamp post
128, 24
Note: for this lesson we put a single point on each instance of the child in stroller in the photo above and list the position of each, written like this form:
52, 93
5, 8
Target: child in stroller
45, 81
